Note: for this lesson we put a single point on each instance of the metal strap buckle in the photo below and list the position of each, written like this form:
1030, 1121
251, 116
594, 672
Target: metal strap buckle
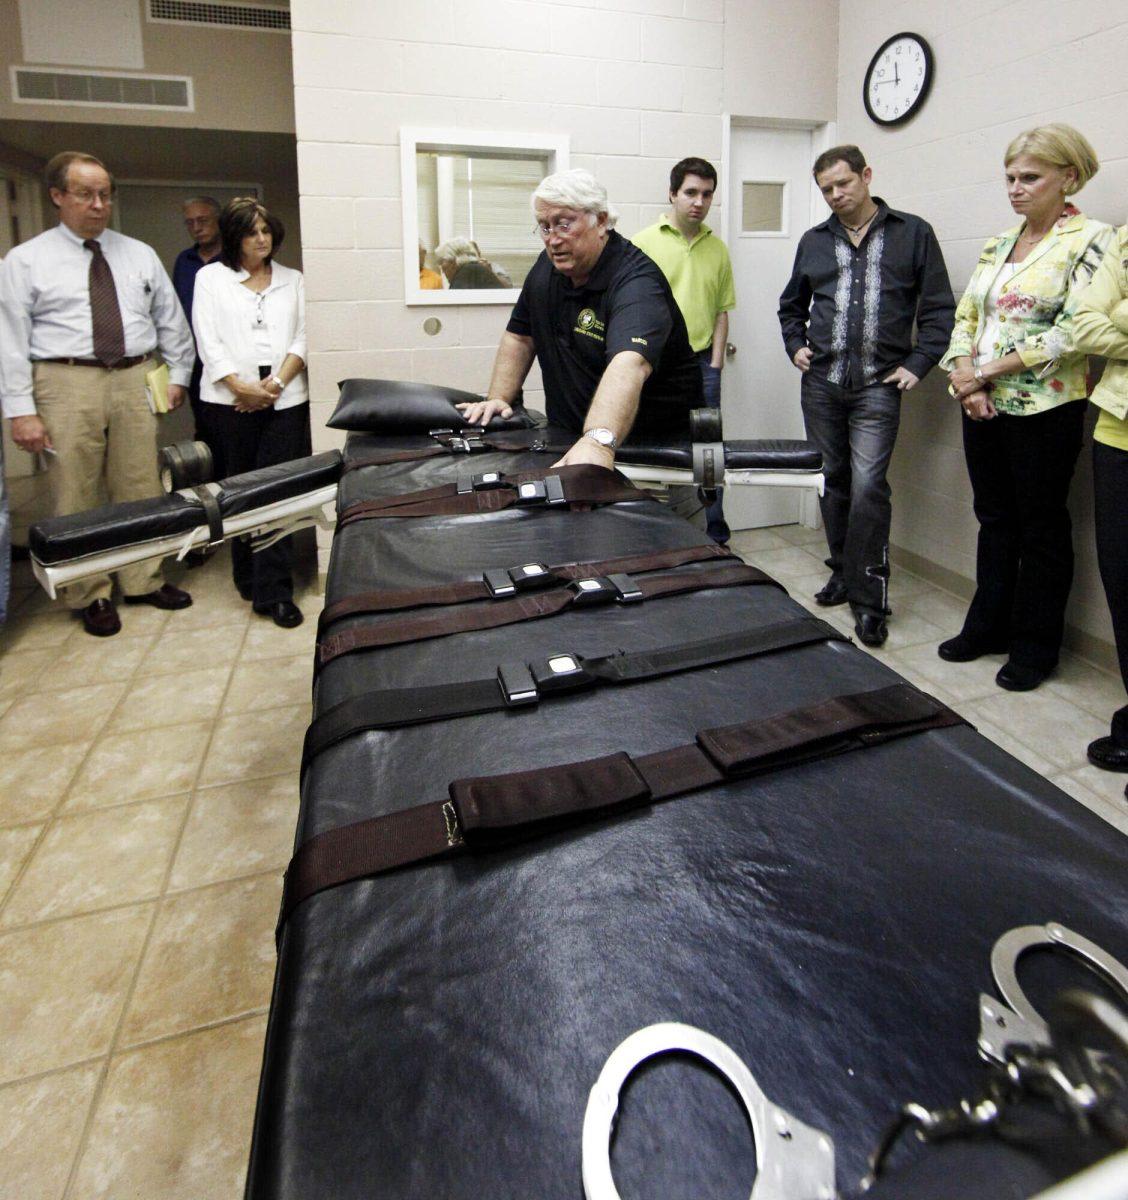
603, 589
518, 687
487, 481
508, 581
549, 490
460, 441
560, 673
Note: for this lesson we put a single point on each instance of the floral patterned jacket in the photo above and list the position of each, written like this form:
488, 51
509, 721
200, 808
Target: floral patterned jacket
1102, 326
1035, 312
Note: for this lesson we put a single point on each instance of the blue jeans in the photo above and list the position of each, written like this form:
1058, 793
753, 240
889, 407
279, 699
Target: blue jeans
716, 527
854, 429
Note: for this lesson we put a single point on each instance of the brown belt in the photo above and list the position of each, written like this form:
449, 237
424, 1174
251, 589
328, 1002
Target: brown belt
468, 441
504, 582
120, 365
484, 811
580, 593
493, 491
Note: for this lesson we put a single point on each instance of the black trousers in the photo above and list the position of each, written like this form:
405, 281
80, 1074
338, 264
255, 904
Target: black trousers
244, 442
1021, 468
1110, 494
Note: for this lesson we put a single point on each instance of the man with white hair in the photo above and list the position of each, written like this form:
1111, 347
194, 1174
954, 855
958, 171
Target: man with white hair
600, 318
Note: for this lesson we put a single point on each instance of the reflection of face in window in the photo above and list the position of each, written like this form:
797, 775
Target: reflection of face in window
479, 197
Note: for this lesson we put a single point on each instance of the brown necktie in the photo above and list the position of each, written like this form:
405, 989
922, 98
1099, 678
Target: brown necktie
109, 334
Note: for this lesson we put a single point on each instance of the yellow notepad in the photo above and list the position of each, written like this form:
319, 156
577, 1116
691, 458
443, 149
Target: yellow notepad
156, 385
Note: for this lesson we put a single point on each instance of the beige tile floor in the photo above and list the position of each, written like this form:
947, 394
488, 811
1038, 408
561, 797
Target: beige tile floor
148, 795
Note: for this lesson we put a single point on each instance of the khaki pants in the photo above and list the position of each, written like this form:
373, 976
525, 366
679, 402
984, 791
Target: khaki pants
105, 440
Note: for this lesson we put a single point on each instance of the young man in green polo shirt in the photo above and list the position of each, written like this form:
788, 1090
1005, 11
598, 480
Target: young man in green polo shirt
696, 263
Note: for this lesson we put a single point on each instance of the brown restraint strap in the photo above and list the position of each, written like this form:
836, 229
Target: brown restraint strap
482, 811
491, 614
583, 484
464, 590
505, 445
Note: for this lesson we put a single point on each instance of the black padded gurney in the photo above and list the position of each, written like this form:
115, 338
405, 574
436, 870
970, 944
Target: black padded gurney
435, 1032
59, 539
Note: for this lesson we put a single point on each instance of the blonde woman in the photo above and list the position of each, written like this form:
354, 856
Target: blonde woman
1101, 327
1020, 380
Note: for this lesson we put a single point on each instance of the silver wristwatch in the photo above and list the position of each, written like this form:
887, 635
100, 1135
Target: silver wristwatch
603, 437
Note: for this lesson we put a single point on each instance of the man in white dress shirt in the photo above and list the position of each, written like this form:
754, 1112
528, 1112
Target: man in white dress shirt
84, 312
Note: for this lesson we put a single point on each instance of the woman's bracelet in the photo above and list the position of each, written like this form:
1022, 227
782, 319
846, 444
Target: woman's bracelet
281, 385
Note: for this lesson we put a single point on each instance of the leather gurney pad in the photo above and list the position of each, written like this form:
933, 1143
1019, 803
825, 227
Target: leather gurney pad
59, 539
435, 1032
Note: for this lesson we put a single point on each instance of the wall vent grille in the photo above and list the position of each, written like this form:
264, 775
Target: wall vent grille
32, 85
230, 16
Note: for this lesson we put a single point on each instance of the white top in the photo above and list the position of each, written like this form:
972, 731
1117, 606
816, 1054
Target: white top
985, 347
45, 309
229, 332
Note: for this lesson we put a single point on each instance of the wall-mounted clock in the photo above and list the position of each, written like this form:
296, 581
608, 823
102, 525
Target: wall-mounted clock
897, 79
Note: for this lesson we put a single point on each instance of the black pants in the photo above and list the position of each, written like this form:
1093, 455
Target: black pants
1110, 493
244, 442
1020, 469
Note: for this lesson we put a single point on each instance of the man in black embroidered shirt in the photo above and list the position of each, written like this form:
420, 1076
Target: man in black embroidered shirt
859, 281
600, 318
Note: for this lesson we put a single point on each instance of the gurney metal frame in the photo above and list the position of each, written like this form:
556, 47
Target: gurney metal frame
272, 521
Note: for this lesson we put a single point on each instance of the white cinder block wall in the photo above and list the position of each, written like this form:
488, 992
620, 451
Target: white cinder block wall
636, 84
1001, 67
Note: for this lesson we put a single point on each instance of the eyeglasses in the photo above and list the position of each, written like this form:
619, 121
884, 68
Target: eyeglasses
86, 196
260, 301
562, 226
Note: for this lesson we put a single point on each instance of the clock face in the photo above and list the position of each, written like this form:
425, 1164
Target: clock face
898, 79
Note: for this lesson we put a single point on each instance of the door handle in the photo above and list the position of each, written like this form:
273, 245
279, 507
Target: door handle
730, 350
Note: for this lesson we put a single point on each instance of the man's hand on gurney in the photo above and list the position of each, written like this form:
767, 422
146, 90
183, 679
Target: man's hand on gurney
482, 412
588, 451
30, 434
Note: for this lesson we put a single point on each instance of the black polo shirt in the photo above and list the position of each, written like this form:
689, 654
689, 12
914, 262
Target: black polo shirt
626, 304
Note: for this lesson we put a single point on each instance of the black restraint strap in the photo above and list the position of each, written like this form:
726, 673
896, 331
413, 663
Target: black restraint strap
207, 494
482, 812
508, 581
493, 491
492, 614
518, 684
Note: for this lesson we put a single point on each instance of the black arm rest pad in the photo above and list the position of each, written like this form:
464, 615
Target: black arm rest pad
395, 406
773, 454
60, 539
767, 454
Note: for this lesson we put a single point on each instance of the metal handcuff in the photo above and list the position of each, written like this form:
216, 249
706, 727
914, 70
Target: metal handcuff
796, 1161
1027, 1059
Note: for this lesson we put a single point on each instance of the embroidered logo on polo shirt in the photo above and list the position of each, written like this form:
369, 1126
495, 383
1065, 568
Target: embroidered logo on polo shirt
640, 341
589, 325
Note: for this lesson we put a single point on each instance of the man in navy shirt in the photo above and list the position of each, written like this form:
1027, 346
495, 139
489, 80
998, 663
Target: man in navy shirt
600, 318
201, 219
862, 280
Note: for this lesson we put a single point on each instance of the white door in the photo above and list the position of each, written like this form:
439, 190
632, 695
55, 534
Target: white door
770, 200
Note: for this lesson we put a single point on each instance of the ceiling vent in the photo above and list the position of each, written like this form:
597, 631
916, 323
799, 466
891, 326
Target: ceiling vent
273, 18
35, 85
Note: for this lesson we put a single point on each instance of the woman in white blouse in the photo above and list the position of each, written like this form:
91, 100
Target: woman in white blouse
249, 316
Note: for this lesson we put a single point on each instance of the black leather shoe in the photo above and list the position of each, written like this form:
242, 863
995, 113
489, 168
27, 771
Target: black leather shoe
963, 648
245, 590
100, 618
285, 613
871, 629
166, 596
1107, 755
1017, 678
833, 594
